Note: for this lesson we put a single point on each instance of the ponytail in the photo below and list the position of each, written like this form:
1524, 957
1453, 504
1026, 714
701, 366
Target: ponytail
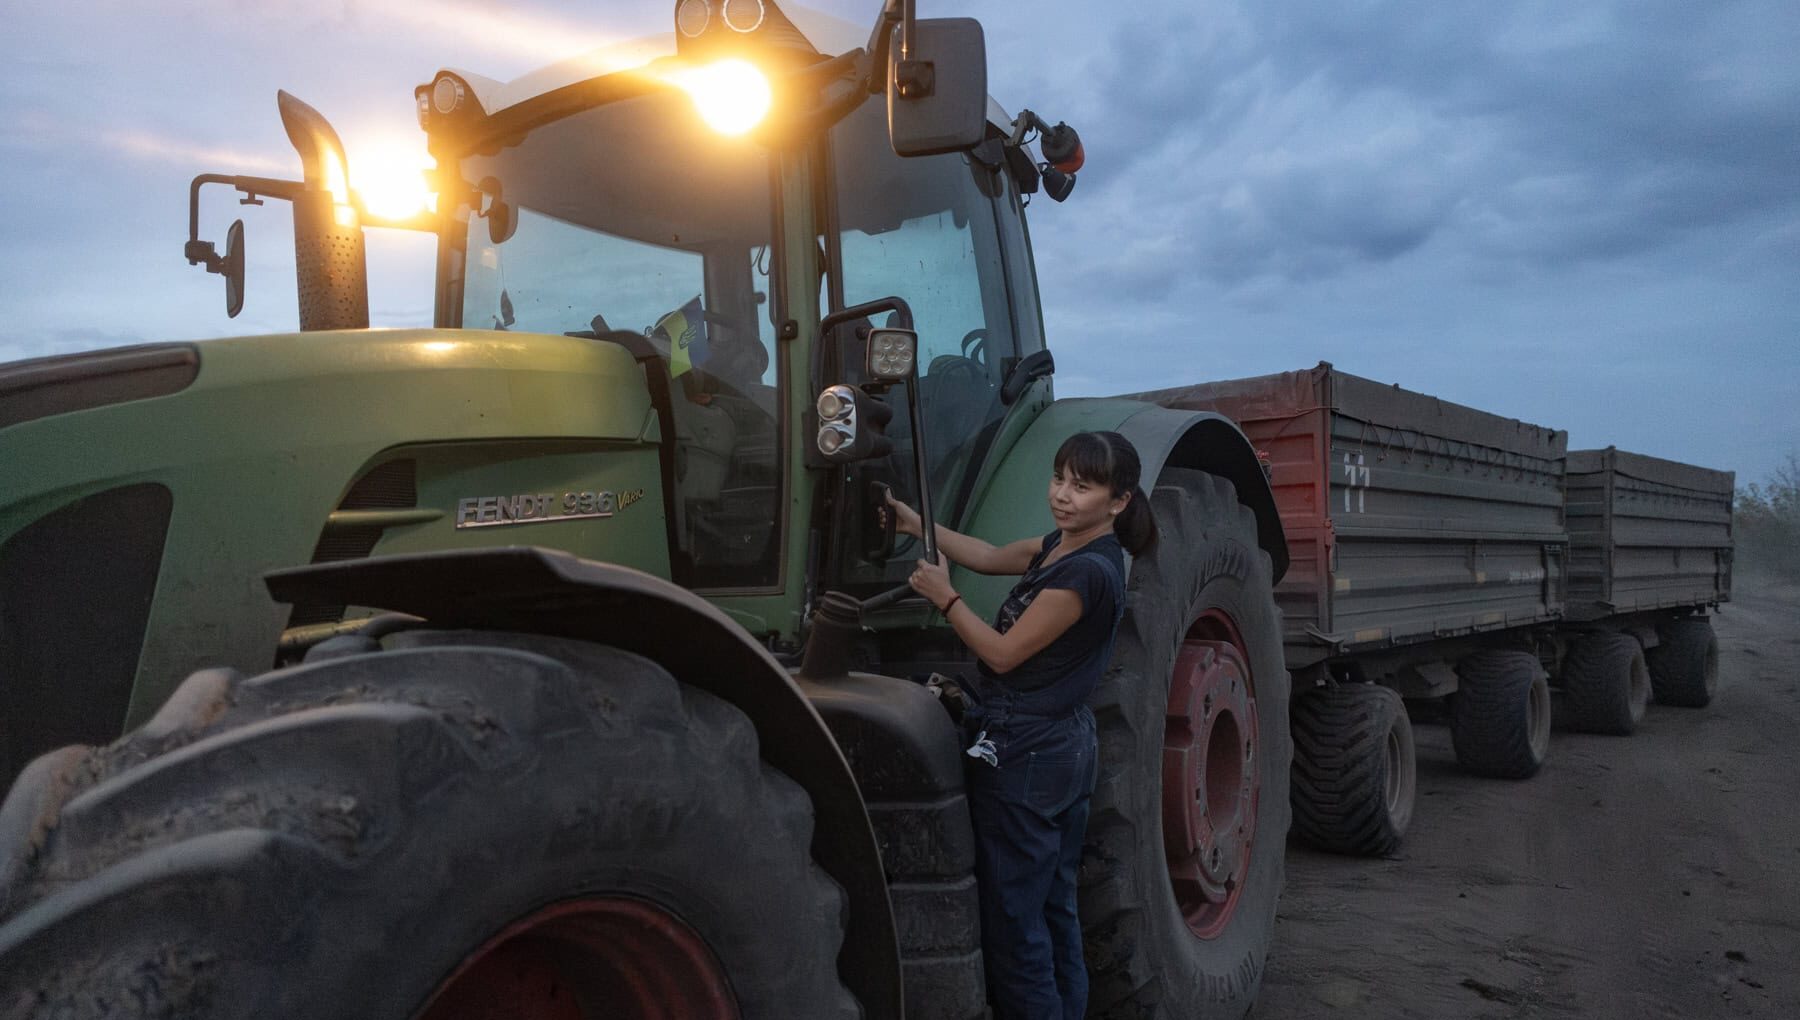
1109, 459
1136, 524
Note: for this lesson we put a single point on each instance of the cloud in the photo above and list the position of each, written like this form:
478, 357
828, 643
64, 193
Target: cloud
1294, 141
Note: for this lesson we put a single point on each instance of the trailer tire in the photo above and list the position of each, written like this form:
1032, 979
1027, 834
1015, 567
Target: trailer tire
460, 826
1500, 714
1200, 619
1684, 668
1354, 778
1606, 686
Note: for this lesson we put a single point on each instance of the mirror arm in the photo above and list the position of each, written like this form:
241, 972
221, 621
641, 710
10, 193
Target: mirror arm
903, 13
903, 311
887, 304
255, 189
1026, 121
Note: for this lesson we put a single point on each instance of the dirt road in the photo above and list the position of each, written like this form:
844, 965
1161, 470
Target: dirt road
1639, 877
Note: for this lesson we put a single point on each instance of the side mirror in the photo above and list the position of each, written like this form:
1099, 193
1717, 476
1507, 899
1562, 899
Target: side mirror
937, 89
234, 269
501, 221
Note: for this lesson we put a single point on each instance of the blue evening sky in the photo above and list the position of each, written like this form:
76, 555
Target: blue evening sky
1583, 215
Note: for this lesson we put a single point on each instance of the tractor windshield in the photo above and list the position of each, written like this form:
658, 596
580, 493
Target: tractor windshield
633, 217
622, 214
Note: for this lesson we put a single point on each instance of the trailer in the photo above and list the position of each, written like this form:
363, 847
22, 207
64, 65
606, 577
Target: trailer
1650, 553
1443, 553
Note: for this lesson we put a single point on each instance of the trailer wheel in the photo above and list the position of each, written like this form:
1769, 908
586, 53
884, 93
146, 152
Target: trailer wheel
432, 833
1354, 779
1606, 685
1684, 669
1500, 714
1182, 867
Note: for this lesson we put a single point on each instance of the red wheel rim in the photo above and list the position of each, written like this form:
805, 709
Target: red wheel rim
605, 956
1210, 779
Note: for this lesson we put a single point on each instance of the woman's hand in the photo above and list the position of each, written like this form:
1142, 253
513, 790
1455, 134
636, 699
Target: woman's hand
932, 580
906, 519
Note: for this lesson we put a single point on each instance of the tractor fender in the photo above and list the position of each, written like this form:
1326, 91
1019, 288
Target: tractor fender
1213, 443
541, 591
1012, 504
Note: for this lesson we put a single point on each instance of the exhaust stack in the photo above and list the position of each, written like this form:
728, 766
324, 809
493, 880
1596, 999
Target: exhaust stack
330, 266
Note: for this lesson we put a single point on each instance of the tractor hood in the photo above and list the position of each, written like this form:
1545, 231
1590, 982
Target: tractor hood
144, 492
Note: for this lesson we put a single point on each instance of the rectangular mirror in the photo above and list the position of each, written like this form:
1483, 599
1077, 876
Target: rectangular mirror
944, 105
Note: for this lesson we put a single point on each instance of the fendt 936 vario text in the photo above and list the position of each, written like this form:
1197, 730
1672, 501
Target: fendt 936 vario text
554, 661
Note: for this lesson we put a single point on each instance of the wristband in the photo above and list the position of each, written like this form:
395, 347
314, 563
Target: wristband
954, 599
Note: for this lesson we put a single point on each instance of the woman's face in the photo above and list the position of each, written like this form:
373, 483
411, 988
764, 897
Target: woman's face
1079, 505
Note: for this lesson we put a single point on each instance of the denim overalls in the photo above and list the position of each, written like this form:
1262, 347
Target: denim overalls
1030, 811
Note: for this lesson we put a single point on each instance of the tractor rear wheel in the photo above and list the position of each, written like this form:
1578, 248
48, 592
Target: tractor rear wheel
1606, 686
1354, 775
437, 832
1684, 669
1182, 867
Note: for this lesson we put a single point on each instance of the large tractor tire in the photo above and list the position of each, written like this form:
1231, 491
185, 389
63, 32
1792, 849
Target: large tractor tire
1354, 775
1500, 714
1182, 867
1684, 669
1606, 686
434, 833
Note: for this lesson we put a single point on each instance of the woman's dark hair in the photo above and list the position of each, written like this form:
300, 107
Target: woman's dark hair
1107, 458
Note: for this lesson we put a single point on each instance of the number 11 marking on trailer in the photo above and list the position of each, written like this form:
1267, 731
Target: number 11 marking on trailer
1356, 477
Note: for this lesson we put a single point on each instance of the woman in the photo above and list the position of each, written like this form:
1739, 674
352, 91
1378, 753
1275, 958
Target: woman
1033, 752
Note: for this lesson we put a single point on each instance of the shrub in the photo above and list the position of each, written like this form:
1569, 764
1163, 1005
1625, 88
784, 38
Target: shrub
1767, 522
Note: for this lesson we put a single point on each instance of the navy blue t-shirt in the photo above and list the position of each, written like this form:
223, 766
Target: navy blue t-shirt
1063, 673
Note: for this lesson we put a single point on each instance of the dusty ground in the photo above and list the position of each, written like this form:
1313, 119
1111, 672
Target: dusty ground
1639, 877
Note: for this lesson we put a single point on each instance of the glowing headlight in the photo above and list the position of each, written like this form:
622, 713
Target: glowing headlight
731, 95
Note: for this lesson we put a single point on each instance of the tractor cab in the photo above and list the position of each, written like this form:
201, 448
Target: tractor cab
711, 199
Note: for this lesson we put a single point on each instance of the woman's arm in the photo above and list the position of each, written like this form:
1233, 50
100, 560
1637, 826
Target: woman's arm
1054, 611
979, 556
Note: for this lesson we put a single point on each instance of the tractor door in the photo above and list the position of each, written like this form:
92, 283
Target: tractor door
945, 233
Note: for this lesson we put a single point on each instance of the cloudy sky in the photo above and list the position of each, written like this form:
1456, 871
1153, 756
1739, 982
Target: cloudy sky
1585, 215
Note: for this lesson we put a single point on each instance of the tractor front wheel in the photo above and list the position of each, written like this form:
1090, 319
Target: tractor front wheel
547, 830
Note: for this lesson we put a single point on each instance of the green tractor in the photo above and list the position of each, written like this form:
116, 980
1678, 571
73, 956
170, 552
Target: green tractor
553, 661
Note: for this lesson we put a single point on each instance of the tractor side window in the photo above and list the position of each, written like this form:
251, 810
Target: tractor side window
926, 229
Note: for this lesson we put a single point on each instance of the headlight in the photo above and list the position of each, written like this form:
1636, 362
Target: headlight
834, 436
833, 405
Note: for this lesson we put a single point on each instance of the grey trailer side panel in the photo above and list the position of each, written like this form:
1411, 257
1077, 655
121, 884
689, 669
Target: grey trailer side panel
1646, 534
1408, 518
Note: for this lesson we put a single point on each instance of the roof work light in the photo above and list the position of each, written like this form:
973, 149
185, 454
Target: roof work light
731, 95
726, 44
